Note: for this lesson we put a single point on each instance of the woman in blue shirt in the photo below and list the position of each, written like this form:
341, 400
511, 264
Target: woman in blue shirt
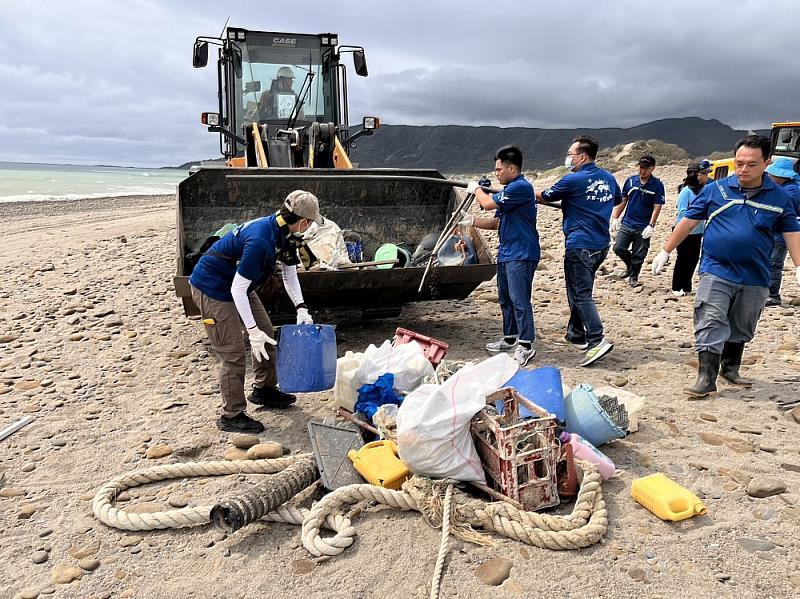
689, 248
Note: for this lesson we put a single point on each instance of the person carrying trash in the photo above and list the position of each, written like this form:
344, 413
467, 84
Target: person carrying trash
518, 254
782, 172
224, 285
742, 213
642, 198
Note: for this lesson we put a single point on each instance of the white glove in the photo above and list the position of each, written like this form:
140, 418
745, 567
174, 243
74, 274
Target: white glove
797, 274
258, 343
303, 317
614, 226
473, 187
647, 232
467, 220
660, 261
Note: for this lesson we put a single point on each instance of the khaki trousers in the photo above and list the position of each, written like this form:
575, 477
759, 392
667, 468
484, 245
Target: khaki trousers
227, 339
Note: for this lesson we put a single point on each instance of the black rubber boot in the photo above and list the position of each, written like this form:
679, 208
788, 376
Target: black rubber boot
271, 397
706, 383
731, 361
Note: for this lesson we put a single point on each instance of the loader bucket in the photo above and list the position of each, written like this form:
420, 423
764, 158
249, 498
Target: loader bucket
381, 205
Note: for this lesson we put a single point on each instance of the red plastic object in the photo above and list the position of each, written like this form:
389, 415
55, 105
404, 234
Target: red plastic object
519, 455
433, 349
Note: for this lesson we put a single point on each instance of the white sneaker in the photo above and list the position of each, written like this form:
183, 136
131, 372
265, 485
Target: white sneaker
523, 355
679, 293
597, 352
498, 346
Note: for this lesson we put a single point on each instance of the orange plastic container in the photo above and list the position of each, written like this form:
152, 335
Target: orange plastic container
666, 498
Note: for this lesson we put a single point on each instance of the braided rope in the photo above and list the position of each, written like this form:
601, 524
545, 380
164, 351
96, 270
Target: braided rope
444, 546
584, 526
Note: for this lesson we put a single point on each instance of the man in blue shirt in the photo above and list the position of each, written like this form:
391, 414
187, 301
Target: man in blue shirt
587, 194
642, 198
781, 171
742, 213
518, 253
224, 284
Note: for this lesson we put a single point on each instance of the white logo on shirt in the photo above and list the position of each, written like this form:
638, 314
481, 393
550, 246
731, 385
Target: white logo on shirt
599, 191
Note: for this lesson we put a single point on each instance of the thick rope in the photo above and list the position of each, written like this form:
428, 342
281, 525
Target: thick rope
444, 546
584, 526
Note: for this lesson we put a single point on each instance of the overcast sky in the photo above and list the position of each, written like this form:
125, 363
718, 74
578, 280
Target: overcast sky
93, 81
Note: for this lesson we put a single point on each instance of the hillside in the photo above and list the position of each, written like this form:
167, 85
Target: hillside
454, 148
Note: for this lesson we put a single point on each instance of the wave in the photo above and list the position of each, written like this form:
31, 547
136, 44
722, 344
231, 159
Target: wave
68, 197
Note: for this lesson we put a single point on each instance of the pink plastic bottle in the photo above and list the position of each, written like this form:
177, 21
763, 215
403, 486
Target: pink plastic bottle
583, 450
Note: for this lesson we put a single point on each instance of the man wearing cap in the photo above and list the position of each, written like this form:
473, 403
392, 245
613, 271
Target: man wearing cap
642, 198
742, 214
782, 172
224, 285
279, 101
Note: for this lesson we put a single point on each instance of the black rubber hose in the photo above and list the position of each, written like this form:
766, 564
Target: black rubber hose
235, 513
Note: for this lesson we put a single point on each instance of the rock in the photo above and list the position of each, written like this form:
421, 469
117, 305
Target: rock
753, 545
748, 430
708, 417
89, 564
794, 580
65, 573
177, 502
86, 550
158, 451
737, 445
234, 453
244, 441
29, 594
637, 574
265, 451
29, 467
795, 301
303, 566
40, 557
494, 571
795, 413
7, 338
71, 291
26, 511
763, 486
130, 541
513, 587
10, 492
790, 467
27, 385
620, 381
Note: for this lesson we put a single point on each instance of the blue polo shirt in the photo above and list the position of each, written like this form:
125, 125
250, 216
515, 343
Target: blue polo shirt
641, 199
588, 197
516, 209
739, 231
793, 190
253, 247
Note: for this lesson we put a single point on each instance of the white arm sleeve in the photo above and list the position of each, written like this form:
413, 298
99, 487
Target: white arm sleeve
239, 292
292, 284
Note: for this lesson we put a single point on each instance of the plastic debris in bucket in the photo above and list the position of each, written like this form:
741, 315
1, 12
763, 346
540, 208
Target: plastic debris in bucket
434, 350
586, 417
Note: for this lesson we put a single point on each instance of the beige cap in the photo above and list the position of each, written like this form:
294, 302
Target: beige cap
305, 205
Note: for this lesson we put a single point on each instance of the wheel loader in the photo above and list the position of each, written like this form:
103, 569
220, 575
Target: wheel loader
283, 124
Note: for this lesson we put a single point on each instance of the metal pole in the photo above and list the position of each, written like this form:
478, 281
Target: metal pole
13, 428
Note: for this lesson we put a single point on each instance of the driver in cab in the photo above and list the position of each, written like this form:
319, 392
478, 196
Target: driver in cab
280, 99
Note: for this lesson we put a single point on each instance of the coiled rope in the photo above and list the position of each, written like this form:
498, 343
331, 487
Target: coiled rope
584, 526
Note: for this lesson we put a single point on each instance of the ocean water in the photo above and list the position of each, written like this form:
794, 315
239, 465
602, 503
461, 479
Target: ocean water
48, 182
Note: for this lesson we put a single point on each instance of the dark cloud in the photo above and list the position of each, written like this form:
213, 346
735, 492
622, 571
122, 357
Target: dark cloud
89, 81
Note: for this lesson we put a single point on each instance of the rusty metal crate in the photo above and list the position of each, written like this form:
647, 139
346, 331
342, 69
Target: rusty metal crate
518, 455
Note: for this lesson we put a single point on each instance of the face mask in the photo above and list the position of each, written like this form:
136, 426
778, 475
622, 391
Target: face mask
568, 162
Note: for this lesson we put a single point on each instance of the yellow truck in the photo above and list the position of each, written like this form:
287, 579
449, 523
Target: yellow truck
785, 142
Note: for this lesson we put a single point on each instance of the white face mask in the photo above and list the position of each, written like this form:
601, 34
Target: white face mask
568, 162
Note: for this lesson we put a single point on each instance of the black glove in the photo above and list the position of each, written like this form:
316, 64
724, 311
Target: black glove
484, 182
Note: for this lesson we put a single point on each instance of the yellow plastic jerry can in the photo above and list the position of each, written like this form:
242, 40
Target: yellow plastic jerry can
666, 499
379, 464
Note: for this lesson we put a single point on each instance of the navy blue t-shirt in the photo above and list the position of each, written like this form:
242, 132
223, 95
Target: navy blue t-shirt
587, 197
253, 248
739, 231
641, 199
516, 209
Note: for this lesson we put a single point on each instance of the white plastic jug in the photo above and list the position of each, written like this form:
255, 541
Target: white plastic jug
345, 391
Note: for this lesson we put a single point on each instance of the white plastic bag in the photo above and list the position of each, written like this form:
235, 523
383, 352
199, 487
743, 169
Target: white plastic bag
407, 362
327, 243
433, 422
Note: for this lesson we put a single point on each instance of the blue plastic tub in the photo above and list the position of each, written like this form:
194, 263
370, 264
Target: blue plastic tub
542, 387
586, 417
306, 358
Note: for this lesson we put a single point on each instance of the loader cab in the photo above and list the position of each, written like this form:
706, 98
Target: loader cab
283, 82
785, 141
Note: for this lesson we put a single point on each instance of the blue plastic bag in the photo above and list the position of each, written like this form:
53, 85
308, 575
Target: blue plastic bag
373, 396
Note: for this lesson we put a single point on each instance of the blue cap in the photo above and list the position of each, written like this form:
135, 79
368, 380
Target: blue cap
699, 167
783, 166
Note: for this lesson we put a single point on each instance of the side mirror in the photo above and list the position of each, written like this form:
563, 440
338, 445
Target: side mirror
200, 55
237, 64
369, 124
360, 63
252, 87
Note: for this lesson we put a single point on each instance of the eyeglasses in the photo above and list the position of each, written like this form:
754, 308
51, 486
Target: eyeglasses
574, 153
